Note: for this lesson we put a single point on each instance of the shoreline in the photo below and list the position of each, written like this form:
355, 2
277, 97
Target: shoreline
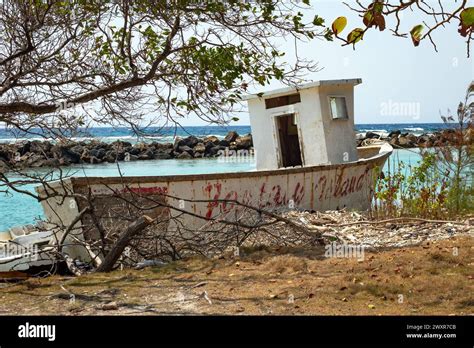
407, 140
37, 153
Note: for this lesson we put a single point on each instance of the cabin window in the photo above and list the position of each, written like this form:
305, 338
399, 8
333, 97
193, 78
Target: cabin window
338, 107
276, 102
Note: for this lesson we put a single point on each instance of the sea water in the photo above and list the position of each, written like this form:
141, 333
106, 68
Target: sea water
20, 209
168, 134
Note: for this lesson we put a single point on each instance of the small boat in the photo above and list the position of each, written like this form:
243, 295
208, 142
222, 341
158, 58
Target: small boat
25, 247
306, 158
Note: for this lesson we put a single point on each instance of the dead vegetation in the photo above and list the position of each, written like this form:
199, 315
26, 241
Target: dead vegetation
435, 277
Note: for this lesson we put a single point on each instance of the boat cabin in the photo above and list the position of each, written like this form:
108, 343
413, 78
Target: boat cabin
308, 125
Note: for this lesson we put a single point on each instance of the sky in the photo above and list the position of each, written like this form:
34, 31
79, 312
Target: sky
400, 83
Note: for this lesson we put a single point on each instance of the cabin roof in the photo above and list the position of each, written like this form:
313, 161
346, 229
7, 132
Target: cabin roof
293, 89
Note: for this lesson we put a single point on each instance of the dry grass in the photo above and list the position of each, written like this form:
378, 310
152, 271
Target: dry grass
427, 279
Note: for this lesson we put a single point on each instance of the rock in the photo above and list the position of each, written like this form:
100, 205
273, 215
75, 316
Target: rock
448, 133
161, 146
35, 160
65, 155
200, 147
177, 143
79, 149
211, 139
244, 142
110, 156
231, 136
394, 141
210, 145
191, 141
213, 151
413, 139
72, 156
184, 155
186, 148
393, 134
120, 145
133, 150
3, 166
423, 138
98, 152
111, 306
224, 143
147, 155
42, 147
24, 148
163, 154
372, 135
4, 153
404, 142
94, 160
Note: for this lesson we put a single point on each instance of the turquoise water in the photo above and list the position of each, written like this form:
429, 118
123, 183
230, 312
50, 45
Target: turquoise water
19, 209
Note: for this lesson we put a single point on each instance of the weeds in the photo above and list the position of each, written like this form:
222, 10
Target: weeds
441, 185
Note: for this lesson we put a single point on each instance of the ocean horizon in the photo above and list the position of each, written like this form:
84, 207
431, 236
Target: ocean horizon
168, 134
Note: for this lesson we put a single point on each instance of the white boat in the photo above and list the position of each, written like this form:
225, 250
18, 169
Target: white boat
22, 248
306, 158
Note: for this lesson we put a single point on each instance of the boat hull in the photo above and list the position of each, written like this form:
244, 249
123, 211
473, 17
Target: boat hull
191, 201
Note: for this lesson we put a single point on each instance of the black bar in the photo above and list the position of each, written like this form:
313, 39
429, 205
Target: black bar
241, 330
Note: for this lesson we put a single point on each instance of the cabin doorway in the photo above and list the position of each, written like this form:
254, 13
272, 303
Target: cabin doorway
289, 142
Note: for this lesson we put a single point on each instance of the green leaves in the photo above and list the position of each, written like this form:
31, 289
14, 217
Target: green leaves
466, 26
416, 34
355, 36
339, 25
318, 21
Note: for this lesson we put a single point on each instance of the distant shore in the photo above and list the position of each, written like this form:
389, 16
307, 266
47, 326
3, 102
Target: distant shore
400, 139
36, 153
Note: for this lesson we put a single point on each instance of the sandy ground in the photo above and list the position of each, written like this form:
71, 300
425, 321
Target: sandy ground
435, 277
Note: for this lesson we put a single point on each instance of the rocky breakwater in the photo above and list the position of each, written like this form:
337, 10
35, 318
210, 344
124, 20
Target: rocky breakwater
34, 154
398, 139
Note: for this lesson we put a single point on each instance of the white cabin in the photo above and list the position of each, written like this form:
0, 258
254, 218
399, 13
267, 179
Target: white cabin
308, 125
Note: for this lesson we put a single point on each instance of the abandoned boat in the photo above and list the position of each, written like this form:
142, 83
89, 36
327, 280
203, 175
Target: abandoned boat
25, 247
306, 158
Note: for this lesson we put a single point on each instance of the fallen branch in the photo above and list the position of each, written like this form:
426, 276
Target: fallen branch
114, 254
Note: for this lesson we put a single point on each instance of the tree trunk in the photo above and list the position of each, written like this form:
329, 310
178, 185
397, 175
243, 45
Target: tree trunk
123, 240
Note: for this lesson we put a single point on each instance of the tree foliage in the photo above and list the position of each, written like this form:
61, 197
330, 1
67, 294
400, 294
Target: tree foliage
435, 15
115, 61
65, 64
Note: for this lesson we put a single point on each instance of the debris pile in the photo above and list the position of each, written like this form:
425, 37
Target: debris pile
359, 229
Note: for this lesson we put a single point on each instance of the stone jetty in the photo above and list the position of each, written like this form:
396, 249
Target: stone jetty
398, 139
34, 154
